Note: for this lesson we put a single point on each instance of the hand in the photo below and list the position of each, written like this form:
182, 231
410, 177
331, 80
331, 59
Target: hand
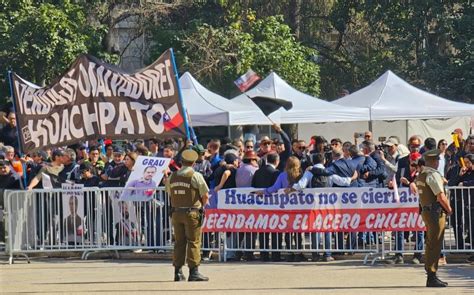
217, 188
382, 155
413, 188
189, 143
355, 176
404, 181
260, 192
462, 171
289, 190
390, 184
277, 127
365, 175
309, 168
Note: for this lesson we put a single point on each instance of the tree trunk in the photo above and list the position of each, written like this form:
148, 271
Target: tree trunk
295, 17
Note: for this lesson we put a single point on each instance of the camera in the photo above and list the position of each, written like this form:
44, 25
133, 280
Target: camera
359, 135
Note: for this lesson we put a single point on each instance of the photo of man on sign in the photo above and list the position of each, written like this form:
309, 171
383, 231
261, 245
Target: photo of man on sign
145, 177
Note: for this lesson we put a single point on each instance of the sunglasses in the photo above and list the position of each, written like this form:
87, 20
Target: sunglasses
444, 143
301, 148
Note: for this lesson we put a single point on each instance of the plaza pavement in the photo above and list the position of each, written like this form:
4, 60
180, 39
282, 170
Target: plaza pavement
151, 276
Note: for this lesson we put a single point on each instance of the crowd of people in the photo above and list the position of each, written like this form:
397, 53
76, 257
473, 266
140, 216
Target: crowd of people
268, 165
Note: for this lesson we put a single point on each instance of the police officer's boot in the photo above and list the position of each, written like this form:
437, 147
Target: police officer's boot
195, 276
443, 282
433, 281
178, 274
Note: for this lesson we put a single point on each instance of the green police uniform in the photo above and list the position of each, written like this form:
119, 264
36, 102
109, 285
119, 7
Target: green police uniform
185, 188
430, 184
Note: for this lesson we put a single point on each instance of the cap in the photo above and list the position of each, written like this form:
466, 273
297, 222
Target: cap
250, 155
199, 149
118, 150
230, 158
415, 156
391, 141
42, 154
277, 141
431, 154
189, 156
85, 166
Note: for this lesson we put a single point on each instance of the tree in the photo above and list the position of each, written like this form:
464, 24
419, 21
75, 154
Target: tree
218, 56
40, 39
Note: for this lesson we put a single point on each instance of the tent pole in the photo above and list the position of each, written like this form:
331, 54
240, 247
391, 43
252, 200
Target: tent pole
228, 131
407, 136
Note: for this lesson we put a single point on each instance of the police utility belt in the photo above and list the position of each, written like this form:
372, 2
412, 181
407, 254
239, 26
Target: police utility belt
186, 209
433, 208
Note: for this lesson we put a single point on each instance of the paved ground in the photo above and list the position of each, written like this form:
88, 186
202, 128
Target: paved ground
64, 276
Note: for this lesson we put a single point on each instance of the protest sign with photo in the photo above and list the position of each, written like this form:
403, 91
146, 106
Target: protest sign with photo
314, 210
145, 177
73, 212
126, 229
93, 99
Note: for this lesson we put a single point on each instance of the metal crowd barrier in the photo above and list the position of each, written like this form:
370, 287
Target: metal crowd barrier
88, 220
41, 221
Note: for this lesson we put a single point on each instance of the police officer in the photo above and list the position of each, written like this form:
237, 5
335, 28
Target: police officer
188, 194
434, 207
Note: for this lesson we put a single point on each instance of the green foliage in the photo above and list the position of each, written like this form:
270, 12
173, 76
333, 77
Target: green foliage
218, 56
40, 39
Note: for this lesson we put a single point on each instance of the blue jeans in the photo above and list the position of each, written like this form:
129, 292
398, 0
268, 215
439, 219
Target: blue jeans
400, 239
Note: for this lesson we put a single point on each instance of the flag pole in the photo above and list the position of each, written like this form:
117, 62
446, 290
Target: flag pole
20, 150
186, 124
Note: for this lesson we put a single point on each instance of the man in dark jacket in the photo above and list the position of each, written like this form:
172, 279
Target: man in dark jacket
263, 178
8, 134
376, 177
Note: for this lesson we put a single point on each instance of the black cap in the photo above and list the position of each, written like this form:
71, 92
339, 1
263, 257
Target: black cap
57, 153
230, 158
432, 154
118, 150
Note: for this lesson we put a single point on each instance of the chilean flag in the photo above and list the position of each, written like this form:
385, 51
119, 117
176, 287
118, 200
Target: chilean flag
246, 80
172, 118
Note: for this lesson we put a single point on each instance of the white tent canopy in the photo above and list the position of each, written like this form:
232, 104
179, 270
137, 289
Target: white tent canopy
207, 108
391, 98
306, 108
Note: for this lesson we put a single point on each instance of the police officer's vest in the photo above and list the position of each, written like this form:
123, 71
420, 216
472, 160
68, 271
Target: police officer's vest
427, 197
182, 192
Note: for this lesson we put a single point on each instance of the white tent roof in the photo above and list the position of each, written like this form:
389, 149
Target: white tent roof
207, 108
391, 98
306, 108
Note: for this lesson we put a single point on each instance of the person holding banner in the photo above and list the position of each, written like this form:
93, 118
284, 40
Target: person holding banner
434, 207
188, 193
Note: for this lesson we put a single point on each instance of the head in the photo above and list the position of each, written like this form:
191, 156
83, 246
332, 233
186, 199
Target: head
94, 154
442, 145
109, 150
142, 150
414, 143
86, 170
118, 155
231, 159
459, 133
273, 159
12, 119
432, 158
130, 159
430, 143
336, 155
469, 161
73, 205
9, 152
414, 159
4, 167
39, 156
470, 144
213, 146
336, 144
149, 173
250, 158
354, 151
153, 145
123, 208
69, 156
249, 145
265, 145
345, 149
293, 169
189, 157
168, 151
279, 146
57, 156
368, 147
392, 145
343, 92
299, 147
320, 143
319, 158
239, 144
368, 135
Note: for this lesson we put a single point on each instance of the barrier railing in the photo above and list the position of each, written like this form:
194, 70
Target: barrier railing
93, 219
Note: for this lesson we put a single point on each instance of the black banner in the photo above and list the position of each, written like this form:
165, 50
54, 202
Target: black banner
96, 100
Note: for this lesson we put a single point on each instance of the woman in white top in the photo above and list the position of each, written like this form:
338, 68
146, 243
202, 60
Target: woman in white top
442, 146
